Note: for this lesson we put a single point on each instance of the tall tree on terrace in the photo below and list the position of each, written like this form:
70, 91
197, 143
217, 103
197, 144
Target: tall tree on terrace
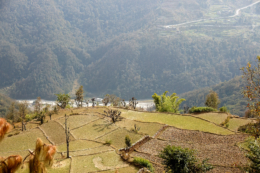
166, 103
37, 105
212, 100
252, 88
11, 114
23, 109
62, 100
79, 96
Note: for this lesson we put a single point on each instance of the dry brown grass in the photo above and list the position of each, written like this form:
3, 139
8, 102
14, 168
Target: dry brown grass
23, 141
78, 120
94, 129
83, 163
118, 137
145, 128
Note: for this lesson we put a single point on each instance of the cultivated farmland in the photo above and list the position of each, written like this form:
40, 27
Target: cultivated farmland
90, 131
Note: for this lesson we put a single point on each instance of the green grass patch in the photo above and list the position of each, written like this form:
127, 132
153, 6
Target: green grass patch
118, 137
145, 128
55, 132
86, 163
94, 129
78, 145
183, 122
78, 120
235, 123
23, 141
214, 117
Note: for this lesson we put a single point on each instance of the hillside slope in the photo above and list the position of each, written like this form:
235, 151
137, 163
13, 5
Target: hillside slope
229, 92
47, 45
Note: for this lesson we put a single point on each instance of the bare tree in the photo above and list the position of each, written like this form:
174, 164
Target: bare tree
87, 102
37, 105
11, 114
79, 96
93, 102
67, 132
23, 109
114, 115
123, 103
133, 102
105, 101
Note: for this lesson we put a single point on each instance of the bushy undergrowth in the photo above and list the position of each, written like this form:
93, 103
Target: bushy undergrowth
223, 109
251, 128
201, 109
144, 163
177, 159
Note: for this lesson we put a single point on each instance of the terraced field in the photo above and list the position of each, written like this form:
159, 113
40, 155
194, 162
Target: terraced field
90, 130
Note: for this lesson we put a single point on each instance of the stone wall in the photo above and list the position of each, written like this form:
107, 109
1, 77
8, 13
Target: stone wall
136, 145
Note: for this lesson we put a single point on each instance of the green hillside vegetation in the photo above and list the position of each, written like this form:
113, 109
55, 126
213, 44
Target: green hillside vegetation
229, 92
119, 47
5, 102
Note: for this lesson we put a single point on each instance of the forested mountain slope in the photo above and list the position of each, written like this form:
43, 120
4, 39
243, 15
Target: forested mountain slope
114, 46
5, 102
229, 92
143, 66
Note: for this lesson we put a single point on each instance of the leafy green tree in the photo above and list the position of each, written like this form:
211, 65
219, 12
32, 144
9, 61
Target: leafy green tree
62, 100
212, 100
166, 103
179, 160
79, 96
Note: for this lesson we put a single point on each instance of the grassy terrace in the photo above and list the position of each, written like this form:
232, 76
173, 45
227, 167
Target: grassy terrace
183, 122
217, 118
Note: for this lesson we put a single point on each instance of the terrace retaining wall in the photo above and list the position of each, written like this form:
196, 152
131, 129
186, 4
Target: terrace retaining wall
136, 145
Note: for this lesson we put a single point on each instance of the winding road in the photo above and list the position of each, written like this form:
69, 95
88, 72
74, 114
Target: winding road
200, 20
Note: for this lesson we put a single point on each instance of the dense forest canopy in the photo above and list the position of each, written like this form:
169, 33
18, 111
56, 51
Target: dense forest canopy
118, 46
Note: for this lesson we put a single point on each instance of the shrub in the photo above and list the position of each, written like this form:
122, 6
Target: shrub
144, 163
30, 117
177, 159
136, 129
251, 128
128, 141
201, 109
223, 109
254, 156
108, 142
226, 122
